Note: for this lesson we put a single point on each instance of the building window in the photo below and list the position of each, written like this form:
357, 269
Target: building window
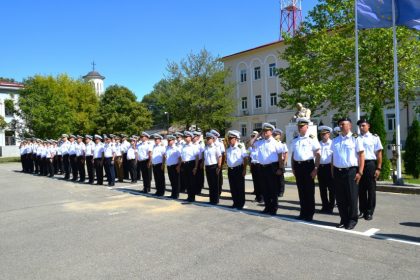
258, 102
273, 99
243, 130
257, 73
243, 75
244, 103
9, 107
390, 122
273, 123
272, 69
257, 126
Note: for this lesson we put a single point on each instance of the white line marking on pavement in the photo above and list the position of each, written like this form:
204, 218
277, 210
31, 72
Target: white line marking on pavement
371, 231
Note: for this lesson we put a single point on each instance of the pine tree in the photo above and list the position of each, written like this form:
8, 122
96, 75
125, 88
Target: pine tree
412, 150
377, 126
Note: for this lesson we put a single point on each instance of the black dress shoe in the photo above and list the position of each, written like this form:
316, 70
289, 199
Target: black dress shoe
350, 226
340, 225
300, 217
368, 217
265, 211
308, 219
361, 215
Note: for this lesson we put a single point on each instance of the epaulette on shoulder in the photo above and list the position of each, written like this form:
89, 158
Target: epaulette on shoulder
296, 137
355, 135
311, 136
376, 135
162, 144
240, 146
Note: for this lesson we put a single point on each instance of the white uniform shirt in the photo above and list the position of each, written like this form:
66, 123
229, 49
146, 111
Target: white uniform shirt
345, 150
253, 152
80, 149
89, 148
211, 154
143, 149
269, 150
48, 152
235, 155
58, 150
131, 153
65, 146
158, 152
372, 144
304, 147
200, 147
326, 152
44, 152
109, 150
72, 148
39, 150
220, 144
118, 149
189, 152
179, 144
125, 145
98, 150
172, 155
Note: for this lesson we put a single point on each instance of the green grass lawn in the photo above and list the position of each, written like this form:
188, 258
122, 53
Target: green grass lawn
9, 159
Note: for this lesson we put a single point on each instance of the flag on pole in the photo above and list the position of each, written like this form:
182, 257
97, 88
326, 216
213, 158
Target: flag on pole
378, 13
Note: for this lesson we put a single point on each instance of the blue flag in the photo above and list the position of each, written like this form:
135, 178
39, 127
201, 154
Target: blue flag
378, 13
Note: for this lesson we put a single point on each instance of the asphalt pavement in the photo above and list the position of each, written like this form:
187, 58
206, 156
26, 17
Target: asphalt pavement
56, 229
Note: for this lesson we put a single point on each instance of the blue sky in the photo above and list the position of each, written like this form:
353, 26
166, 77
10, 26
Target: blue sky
130, 41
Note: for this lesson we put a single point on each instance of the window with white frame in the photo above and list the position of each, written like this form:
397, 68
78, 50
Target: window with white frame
244, 103
243, 75
257, 126
244, 131
258, 101
272, 69
273, 99
257, 73
390, 122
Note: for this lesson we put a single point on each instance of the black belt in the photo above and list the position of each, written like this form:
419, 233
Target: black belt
231, 168
188, 162
304, 161
269, 164
157, 164
370, 160
211, 165
325, 165
345, 168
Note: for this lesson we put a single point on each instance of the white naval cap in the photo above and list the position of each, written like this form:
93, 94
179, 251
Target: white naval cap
87, 136
145, 134
178, 134
97, 136
210, 135
302, 121
277, 131
234, 134
170, 137
337, 129
188, 134
215, 132
268, 126
157, 136
323, 129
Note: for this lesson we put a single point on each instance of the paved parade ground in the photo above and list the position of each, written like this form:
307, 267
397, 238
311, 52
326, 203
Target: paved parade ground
55, 229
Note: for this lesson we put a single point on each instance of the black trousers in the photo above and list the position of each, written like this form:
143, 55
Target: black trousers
213, 182
90, 169
126, 167
174, 179
66, 166
159, 175
45, 166
326, 186
34, 159
49, 162
200, 177
367, 188
144, 171
256, 180
188, 179
237, 186
306, 187
81, 168
110, 170
60, 164
73, 164
37, 159
269, 185
132, 168
99, 168
346, 191
282, 183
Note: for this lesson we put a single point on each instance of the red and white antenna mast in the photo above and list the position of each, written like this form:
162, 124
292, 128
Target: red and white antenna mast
290, 16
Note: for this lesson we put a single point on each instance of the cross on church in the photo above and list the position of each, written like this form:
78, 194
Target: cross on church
93, 65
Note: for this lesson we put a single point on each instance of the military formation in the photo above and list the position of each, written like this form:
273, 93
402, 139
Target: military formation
346, 166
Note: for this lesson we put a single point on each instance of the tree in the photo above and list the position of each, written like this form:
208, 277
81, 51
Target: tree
195, 92
377, 126
412, 150
321, 62
151, 101
121, 113
51, 106
3, 123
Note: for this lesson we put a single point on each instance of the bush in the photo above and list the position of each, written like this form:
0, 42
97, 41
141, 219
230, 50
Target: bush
412, 150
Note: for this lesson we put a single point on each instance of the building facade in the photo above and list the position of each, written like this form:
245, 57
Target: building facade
257, 91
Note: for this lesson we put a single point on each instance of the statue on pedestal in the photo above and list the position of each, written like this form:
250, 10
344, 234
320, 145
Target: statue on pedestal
302, 112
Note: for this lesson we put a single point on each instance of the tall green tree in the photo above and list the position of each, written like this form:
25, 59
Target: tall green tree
195, 92
51, 106
151, 101
412, 150
121, 113
321, 62
377, 126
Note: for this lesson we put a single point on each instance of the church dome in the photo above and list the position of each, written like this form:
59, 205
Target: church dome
93, 75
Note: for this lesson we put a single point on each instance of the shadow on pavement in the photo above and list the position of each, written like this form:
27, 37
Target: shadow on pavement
410, 224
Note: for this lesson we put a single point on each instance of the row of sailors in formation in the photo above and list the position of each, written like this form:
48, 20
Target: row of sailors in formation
186, 159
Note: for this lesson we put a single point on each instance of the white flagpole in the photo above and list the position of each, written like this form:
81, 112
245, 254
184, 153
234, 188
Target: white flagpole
356, 32
399, 180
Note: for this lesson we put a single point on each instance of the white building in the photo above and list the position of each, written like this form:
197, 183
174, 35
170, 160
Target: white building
9, 94
257, 91
96, 80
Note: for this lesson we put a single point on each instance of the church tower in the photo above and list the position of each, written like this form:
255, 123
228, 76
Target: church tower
96, 80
